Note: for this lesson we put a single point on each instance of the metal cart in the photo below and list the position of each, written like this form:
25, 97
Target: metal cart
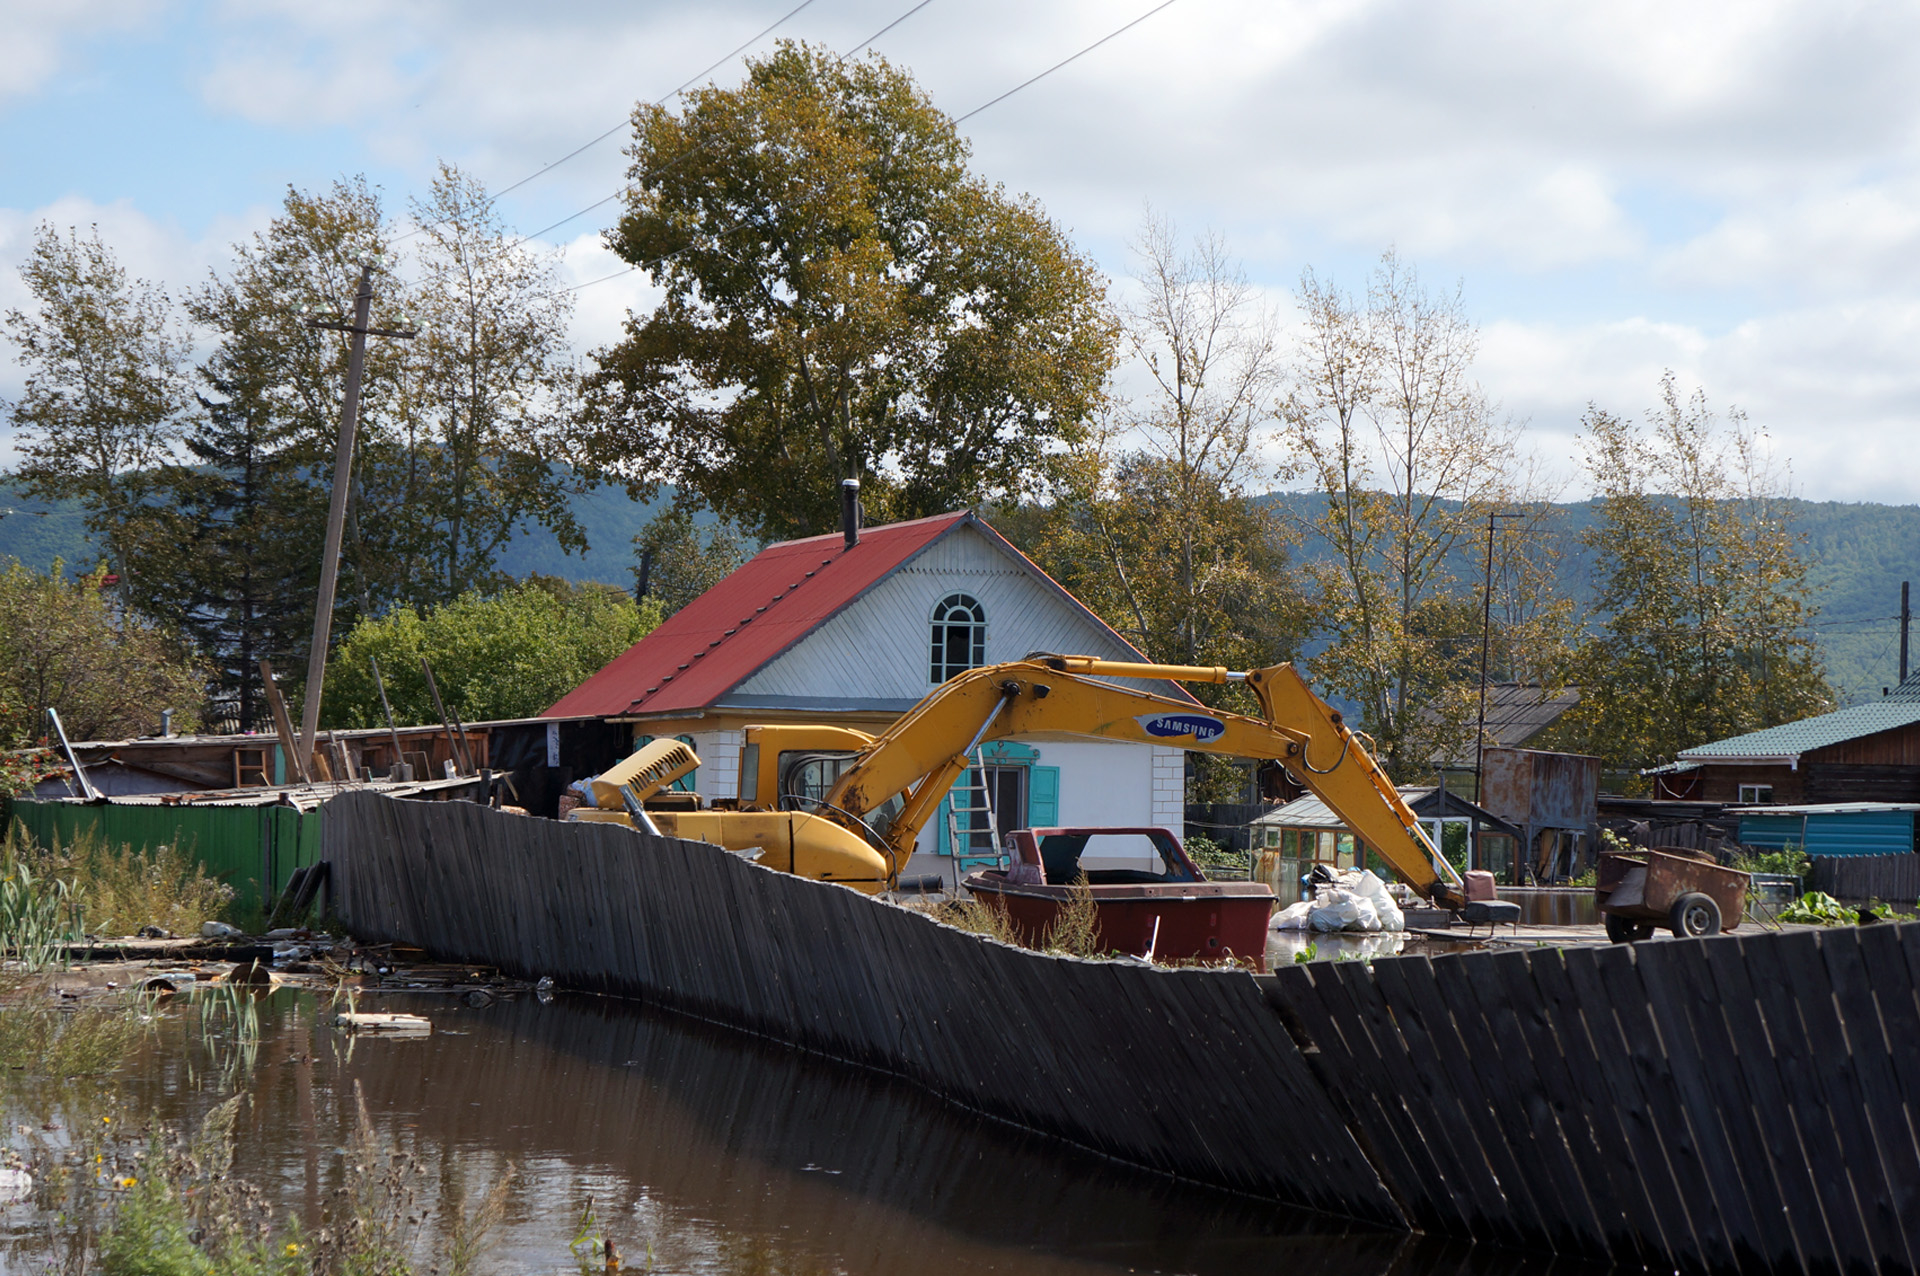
1639, 891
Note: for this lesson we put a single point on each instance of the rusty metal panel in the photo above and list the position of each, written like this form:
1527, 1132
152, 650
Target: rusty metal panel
1565, 790
1544, 790
1507, 784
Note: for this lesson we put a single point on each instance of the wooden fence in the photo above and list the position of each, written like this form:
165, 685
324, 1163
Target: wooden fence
1732, 1104
1894, 879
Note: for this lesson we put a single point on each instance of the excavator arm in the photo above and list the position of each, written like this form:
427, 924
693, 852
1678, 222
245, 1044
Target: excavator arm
925, 752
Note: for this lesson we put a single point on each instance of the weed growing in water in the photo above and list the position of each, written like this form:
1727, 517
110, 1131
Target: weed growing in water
118, 890
39, 912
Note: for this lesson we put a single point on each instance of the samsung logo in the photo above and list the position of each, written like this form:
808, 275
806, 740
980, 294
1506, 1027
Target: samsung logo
1173, 726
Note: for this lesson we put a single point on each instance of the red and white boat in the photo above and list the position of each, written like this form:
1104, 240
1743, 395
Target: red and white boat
1152, 900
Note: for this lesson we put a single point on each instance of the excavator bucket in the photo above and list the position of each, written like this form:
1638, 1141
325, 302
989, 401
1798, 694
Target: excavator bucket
645, 772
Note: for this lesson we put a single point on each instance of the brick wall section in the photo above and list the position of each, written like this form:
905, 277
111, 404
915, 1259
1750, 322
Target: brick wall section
1169, 788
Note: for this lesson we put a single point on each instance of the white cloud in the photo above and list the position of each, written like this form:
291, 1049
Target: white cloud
38, 32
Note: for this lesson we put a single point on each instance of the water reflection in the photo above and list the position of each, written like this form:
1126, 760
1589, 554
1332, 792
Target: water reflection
706, 1151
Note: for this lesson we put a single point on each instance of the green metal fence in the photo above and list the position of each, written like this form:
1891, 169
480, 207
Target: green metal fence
253, 849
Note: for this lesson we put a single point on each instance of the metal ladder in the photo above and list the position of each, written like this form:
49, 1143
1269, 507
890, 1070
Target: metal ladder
962, 827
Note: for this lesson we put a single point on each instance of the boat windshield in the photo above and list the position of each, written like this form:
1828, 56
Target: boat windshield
1112, 859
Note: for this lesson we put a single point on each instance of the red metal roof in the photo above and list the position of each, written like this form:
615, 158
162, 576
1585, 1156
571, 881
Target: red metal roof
722, 637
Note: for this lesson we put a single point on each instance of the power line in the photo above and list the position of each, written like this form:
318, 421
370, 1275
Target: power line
1063, 62
659, 101
1027, 83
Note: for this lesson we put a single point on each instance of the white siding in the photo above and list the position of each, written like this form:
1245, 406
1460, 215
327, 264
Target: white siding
1102, 783
879, 646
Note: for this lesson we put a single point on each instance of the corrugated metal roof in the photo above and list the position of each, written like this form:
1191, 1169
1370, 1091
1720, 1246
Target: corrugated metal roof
1825, 808
777, 597
1516, 713
1310, 812
1791, 739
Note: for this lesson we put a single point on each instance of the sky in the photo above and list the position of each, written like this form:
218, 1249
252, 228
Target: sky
1729, 191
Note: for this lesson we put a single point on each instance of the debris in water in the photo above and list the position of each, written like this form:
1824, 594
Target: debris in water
415, 1024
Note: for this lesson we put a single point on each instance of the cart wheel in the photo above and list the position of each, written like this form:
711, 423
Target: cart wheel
1625, 930
1695, 915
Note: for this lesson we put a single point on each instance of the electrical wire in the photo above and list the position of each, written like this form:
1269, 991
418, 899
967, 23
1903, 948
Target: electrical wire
532, 235
584, 147
1063, 62
1027, 83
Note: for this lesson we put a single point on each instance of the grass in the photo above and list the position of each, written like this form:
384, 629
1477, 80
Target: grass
118, 890
1076, 928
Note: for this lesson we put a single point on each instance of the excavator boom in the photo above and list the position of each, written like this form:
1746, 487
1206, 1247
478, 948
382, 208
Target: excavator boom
924, 753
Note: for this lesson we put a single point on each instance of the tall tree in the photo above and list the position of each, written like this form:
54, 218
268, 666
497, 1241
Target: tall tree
1155, 526
681, 561
1385, 413
1702, 586
841, 299
488, 383
239, 577
104, 387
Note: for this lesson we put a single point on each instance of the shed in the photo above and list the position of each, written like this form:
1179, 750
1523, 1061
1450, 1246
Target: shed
1834, 828
1553, 799
1290, 839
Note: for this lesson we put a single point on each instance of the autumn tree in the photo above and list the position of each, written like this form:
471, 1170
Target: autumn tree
1155, 525
105, 387
1384, 412
842, 298
473, 443
1703, 592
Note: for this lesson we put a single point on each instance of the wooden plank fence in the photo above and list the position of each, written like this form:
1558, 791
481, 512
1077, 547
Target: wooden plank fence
1893, 879
1740, 1104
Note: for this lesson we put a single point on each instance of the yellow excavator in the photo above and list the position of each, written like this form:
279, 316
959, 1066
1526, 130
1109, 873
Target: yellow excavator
840, 805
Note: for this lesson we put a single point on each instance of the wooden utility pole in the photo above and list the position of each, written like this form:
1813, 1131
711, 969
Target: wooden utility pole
342, 485
1906, 622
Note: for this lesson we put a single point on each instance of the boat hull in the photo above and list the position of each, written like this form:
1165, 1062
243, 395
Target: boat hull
1207, 921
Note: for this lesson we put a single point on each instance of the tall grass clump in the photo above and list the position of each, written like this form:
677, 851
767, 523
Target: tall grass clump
118, 890
39, 911
1076, 928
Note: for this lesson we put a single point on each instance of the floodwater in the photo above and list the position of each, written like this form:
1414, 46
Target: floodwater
707, 1151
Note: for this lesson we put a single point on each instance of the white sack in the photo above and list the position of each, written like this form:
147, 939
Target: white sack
1292, 917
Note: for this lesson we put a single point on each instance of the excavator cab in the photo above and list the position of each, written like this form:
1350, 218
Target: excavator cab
793, 768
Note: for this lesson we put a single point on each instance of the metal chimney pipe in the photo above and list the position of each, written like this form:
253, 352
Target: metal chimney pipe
850, 511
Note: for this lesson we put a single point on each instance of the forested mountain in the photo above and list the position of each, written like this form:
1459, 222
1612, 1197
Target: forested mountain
1858, 555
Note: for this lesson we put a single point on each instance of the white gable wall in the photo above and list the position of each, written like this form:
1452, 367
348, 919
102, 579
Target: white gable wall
879, 646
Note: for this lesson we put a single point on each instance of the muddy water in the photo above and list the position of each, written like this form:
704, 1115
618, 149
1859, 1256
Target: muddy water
706, 1151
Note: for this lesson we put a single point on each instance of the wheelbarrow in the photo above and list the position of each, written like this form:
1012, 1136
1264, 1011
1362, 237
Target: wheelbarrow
1639, 891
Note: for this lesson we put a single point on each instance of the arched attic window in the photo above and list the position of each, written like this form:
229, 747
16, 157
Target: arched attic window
959, 636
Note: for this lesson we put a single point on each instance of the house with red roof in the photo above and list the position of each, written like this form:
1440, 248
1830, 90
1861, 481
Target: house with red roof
854, 634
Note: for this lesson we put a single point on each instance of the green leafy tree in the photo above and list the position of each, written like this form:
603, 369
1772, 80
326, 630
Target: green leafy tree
487, 383
842, 299
104, 388
504, 655
681, 561
66, 644
1701, 584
